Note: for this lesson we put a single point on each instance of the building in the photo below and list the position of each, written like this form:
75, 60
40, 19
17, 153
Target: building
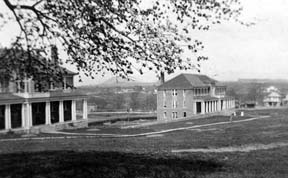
26, 105
189, 95
273, 97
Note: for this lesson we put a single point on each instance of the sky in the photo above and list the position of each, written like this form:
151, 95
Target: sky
235, 51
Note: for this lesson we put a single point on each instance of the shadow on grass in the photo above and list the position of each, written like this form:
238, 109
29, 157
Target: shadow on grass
103, 164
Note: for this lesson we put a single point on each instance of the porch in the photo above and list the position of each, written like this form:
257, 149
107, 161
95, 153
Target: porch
29, 114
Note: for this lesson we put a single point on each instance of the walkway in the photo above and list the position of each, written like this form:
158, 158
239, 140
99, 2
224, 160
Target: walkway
91, 135
243, 148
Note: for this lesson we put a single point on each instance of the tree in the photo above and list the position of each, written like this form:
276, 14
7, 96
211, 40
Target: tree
118, 36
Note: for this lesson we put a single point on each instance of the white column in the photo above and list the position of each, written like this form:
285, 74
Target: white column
61, 112
73, 110
48, 113
229, 104
28, 115
214, 106
194, 108
203, 107
85, 110
23, 115
7, 117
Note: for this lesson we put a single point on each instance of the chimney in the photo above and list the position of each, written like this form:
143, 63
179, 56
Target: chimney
54, 55
162, 77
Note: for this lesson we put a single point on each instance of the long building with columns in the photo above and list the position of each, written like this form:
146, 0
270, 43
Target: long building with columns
26, 106
189, 95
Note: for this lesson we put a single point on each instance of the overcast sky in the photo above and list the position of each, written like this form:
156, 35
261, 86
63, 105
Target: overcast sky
234, 51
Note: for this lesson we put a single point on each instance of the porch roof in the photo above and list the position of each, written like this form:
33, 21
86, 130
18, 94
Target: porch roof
10, 98
205, 98
211, 98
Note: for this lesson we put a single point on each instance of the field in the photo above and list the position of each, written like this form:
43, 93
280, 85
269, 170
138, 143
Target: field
255, 148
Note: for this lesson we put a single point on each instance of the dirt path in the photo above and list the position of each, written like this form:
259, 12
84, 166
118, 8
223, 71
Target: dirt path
243, 148
91, 135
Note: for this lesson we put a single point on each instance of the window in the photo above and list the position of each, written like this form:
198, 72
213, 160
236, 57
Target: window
164, 115
20, 86
184, 114
174, 115
174, 92
4, 86
69, 82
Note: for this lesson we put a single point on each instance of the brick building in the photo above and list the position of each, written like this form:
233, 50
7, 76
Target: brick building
188, 95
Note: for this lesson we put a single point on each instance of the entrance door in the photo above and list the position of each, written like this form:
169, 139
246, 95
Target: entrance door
198, 107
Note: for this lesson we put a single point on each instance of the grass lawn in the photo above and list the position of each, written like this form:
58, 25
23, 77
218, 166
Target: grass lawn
116, 128
152, 157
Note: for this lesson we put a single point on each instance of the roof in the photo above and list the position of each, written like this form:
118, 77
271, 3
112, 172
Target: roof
188, 81
206, 98
11, 98
8, 98
68, 72
273, 94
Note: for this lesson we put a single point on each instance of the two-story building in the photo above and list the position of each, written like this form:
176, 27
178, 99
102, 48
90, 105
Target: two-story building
273, 97
189, 95
24, 105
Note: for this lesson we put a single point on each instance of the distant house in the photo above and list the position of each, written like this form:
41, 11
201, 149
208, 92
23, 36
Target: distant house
273, 97
188, 95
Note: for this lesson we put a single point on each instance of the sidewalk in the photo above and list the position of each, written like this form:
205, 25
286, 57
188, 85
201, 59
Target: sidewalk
68, 135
